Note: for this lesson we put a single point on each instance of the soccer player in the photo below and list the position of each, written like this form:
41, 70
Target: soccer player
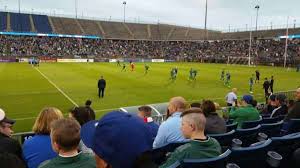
191, 74
132, 66
257, 73
118, 63
227, 81
146, 68
173, 74
123, 68
194, 74
222, 75
251, 82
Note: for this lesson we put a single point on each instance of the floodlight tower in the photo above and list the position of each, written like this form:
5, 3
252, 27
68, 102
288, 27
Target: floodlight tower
205, 22
124, 4
257, 9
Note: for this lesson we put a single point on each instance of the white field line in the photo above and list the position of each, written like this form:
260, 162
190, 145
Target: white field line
62, 92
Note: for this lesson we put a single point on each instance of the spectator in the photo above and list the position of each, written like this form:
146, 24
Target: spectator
196, 104
200, 146
294, 112
38, 148
270, 106
9, 160
145, 113
82, 115
8, 144
169, 131
282, 108
214, 123
119, 140
231, 98
88, 104
65, 138
244, 113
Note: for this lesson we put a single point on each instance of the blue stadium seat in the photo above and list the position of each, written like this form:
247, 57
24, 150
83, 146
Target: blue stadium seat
3, 21
272, 129
251, 124
159, 154
216, 162
41, 23
225, 139
285, 146
247, 136
291, 126
232, 126
20, 22
271, 120
251, 157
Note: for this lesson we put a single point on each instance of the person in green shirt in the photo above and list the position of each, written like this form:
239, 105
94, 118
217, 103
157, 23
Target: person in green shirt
65, 138
201, 146
246, 112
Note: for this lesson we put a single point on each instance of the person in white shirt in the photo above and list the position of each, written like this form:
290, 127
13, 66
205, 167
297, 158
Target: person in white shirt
231, 98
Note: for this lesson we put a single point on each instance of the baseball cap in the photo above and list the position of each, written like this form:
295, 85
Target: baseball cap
4, 119
247, 98
118, 138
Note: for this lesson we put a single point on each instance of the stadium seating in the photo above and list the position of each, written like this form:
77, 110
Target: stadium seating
285, 146
41, 23
217, 162
90, 27
232, 126
251, 124
291, 126
225, 139
3, 21
248, 136
159, 154
272, 129
115, 30
249, 157
268, 120
20, 22
139, 30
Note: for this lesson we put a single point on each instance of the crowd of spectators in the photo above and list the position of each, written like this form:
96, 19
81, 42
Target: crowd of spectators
120, 139
264, 50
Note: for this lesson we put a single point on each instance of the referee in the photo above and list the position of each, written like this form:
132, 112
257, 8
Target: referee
101, 87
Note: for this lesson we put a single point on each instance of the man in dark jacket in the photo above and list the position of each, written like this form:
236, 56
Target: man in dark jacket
101, 87
266, 86
7, 144
294, 112
271, 84
282, 108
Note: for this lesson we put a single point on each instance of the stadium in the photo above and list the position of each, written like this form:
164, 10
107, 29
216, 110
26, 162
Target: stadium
85, 88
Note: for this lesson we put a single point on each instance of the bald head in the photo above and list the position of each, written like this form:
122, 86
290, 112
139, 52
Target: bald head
177, 104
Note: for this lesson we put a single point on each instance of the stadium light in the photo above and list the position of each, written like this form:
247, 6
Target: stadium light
205, 22
76, 8
257, 8
286, 42
124, 3
19, 4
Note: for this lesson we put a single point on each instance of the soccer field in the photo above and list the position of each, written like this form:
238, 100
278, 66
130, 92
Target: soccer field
26, 90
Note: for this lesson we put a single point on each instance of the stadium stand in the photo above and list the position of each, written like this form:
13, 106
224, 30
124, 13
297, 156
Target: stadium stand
115, 30
41, 23
178, 33
139, 30
66, 26
3, 21
20, 22
90, 27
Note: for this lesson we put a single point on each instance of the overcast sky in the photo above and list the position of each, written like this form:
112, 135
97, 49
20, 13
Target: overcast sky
221, 13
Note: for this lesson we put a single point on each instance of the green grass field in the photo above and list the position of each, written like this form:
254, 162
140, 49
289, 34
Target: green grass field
25, 91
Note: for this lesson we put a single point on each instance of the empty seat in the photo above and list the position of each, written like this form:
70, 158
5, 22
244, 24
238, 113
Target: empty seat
272, 129
232, 126
3, 21
225, 139
20, 22
249, 157
248, 136
291, 126
216, 162
251, 124
159, 155
41, 23
285, 146
270, 120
